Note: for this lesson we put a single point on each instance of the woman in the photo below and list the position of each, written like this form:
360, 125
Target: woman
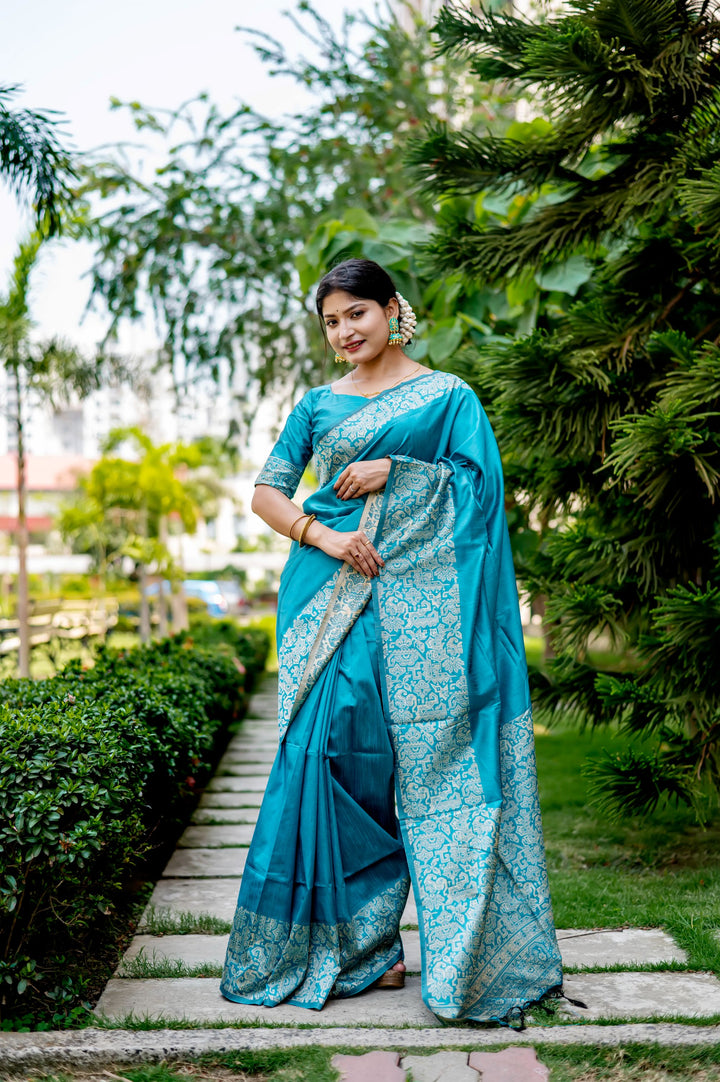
402, 677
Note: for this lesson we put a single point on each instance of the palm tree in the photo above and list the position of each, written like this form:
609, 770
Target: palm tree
32, 159
124, 506
54, 370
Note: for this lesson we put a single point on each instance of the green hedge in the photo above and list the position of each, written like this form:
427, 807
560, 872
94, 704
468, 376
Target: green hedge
90, 761
248, 644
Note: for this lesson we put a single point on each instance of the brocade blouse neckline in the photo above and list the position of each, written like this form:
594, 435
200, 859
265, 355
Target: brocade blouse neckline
374, 398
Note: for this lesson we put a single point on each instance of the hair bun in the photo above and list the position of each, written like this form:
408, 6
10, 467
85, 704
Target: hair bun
406, 318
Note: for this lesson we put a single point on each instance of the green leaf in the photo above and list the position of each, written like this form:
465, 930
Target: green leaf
306, 270
523, 131
444, 339
476, 323
521, 290
359, 219
566, 277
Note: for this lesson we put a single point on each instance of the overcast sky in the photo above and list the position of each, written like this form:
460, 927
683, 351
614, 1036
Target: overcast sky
74, 55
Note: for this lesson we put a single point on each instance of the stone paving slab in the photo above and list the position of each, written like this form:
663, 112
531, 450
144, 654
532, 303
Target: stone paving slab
261, 771
606, 995
198, 999
265, 737
617, 946
216, 837
263, 760
206, 816
243, 769
409, 917
372, 1067
205, 863
644, 995
256, 751
267, 691
254, 727
230, 800
261, 732
510, 1065
216, 897
195, 950
94, 1047
441, 1067
262, 736
248, 784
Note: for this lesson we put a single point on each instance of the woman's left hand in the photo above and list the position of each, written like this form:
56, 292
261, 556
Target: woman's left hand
362, 477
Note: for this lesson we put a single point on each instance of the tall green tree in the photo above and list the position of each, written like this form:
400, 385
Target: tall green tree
34, 162
210, 242
53, 370
124, 505
610, 417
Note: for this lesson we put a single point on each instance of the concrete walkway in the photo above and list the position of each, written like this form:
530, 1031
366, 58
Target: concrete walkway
173, 977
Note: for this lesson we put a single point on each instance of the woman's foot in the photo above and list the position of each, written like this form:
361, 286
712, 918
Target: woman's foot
394, 978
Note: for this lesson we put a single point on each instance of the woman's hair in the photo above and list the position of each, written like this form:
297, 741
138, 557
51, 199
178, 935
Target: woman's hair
361, 278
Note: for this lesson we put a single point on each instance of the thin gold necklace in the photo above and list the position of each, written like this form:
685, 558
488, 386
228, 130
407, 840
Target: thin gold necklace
372, 394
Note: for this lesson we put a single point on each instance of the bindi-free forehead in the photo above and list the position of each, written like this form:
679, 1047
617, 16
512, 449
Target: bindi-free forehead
340, 302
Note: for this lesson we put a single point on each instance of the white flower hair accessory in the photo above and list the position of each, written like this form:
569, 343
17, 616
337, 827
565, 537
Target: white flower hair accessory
407, 319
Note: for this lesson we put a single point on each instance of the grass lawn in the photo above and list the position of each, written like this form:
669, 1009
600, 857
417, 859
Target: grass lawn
662, 872
649, 1063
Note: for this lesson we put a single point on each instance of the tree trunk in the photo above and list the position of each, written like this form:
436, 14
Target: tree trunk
145, 627
23, 601
178, 598
162, 601
144, 606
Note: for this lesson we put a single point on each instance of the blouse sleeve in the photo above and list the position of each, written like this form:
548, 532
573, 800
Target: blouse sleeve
292, 452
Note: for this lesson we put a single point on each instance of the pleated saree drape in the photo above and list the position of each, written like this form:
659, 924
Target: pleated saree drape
416, 681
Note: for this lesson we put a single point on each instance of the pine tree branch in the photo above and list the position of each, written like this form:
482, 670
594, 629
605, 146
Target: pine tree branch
461, 29
554, 232
463, 162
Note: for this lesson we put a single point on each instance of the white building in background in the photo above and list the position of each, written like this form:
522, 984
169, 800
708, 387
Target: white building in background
75, 434
150, 403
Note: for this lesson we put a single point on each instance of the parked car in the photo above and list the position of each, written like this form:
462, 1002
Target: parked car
206, 590
209, 591
234, 595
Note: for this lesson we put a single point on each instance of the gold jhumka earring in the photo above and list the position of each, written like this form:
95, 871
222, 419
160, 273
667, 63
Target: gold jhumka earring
394, 337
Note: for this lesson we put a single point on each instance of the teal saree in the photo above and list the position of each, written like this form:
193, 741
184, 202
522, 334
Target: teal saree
414, 681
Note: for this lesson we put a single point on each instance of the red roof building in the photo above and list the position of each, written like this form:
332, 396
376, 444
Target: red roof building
48, 478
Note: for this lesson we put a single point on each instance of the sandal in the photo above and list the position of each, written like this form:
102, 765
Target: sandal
394, 978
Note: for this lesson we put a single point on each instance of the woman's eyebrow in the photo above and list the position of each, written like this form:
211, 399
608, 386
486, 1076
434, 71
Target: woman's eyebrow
330, 315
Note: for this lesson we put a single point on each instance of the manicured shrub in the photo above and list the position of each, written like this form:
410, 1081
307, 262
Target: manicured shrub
90, 761
248, 644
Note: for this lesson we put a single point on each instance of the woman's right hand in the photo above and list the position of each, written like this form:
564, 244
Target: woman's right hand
353, 548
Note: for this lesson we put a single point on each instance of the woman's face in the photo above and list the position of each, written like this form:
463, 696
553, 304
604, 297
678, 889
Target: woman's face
357, 328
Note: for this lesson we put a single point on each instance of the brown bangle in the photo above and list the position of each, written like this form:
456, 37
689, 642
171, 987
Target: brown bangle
311, 518
294, 525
